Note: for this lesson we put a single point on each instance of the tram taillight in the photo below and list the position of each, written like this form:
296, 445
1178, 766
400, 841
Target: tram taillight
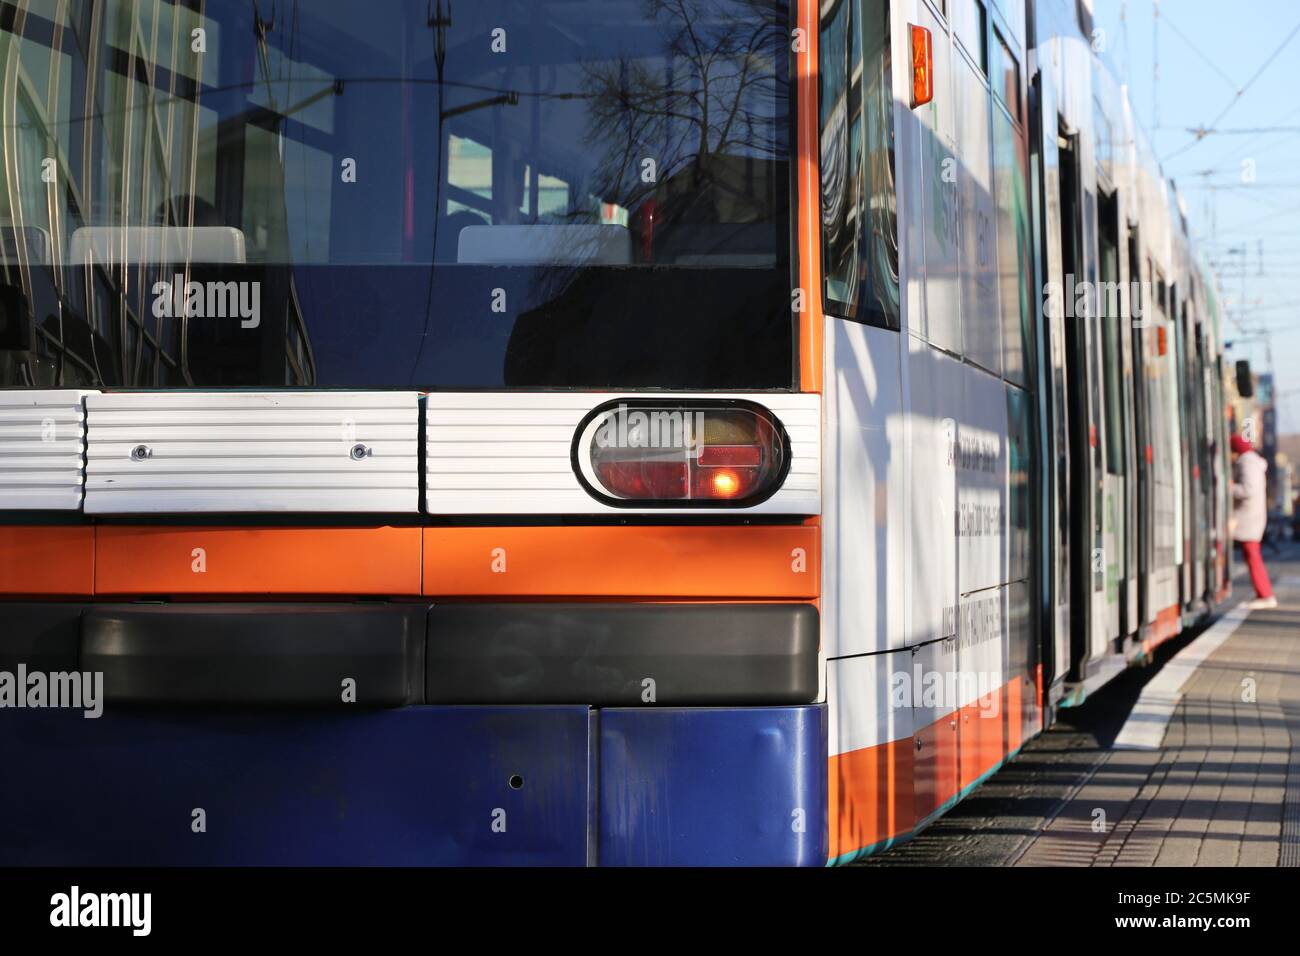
699, 453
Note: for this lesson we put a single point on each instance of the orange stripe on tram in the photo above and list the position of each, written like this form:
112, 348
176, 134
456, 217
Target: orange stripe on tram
342, 561
732, 562
882, 792
47, 561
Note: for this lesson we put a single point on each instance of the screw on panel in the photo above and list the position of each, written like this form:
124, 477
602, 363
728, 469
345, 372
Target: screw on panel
141, 453
360, 452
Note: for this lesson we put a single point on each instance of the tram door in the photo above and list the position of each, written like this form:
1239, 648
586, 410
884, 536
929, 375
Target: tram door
1086, 468
1185, 446
1055, 534
1114, 426
1164, 485
1202, 466
1196, 442
1140, 508
1212, 468
1176, 345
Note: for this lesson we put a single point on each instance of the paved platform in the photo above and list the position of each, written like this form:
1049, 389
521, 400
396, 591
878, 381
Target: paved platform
1221, 788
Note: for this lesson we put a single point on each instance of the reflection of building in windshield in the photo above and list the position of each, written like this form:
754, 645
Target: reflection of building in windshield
489, 194
120, 176
661, 120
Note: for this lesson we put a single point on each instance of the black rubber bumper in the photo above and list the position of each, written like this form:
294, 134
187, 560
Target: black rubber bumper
387, 655
621, 654
45, 636
293, 655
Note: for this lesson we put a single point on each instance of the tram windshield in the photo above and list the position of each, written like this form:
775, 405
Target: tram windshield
398, 193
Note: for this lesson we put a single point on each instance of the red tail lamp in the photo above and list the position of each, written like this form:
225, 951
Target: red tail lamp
922, 66
644, 225
704, 454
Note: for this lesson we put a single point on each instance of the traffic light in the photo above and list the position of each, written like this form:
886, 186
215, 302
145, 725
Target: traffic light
1245, 380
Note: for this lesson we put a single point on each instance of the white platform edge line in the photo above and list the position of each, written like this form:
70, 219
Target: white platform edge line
1146, 724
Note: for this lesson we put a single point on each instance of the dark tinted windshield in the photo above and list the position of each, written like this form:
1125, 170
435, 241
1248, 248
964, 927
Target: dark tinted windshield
396, 193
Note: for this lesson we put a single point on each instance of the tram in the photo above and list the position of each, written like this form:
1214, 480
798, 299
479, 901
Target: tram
576, 432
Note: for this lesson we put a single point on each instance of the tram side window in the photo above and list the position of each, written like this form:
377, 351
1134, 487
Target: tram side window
1005, 76
970, 23
858, 197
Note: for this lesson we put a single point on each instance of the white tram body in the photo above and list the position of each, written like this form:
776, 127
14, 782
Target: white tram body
1024, 488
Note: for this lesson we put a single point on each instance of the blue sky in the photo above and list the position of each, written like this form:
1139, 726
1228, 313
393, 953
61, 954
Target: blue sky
1210, 54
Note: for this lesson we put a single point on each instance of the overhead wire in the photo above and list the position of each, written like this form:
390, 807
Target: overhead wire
1241, 92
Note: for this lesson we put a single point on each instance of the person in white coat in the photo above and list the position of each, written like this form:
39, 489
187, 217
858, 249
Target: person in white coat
1250, 516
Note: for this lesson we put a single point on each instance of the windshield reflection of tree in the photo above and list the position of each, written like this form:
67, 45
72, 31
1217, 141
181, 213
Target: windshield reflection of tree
698, 123
707, 123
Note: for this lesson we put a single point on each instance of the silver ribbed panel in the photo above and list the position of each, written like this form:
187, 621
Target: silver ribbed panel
42, 450
233, 452
510, 452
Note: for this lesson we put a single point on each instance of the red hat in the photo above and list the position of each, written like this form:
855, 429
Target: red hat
1240, 445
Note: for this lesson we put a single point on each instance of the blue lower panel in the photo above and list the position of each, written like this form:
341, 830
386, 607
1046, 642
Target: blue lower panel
416, 786
421, 785
713, 786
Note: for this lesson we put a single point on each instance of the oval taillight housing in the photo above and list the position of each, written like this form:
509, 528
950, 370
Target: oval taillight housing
697, 453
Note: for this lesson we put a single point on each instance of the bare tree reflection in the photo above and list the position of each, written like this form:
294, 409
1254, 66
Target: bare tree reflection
687, 134
695, 111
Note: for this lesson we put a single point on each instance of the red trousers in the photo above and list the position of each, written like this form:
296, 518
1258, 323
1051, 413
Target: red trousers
1258, 573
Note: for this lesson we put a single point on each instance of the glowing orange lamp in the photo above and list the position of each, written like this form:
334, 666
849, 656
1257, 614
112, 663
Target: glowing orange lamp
922, 66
